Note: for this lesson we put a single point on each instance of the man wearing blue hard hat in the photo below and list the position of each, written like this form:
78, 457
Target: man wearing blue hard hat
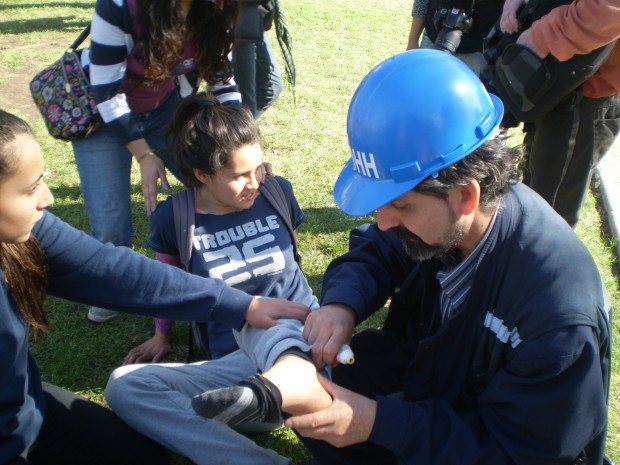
496, 345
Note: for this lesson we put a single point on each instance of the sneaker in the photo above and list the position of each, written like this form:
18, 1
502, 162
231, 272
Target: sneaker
100, 315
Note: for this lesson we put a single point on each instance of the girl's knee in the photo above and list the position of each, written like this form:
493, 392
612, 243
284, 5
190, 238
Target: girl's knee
122, 384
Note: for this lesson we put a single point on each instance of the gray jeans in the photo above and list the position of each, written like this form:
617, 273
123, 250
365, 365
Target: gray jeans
155, 399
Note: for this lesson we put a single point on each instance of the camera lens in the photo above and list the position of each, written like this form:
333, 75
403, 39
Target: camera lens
448, 40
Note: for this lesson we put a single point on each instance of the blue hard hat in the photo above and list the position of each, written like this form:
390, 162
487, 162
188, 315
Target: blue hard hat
413, 115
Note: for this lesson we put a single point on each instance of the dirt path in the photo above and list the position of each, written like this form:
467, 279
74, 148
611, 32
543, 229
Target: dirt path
15, 93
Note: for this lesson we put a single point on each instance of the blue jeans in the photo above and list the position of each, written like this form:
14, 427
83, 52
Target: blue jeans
104, 166
257, 75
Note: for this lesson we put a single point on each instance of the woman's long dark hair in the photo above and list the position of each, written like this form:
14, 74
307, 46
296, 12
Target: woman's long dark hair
23, 264
209, 25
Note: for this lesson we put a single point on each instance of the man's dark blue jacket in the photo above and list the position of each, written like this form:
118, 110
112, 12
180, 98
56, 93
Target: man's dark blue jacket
520, 375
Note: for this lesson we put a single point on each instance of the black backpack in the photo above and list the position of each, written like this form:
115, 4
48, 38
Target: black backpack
529, 86
184, 214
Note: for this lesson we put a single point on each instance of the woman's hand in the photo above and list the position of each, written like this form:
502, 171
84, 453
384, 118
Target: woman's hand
152, 350
151, 169
264, 312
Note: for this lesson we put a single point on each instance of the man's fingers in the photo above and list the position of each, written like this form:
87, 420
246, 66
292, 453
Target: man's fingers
308, 422
330, 387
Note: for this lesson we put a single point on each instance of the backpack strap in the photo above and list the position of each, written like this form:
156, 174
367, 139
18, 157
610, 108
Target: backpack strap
184, 212
274, 194
184, 209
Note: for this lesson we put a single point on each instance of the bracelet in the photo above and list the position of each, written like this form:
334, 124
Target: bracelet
148, 152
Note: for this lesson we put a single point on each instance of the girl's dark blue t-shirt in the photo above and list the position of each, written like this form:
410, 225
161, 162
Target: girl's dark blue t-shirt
251, 250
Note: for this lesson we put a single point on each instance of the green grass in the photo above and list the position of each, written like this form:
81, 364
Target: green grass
335, 44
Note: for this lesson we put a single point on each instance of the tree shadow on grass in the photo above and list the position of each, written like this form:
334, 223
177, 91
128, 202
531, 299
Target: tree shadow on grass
59, 23
12, 6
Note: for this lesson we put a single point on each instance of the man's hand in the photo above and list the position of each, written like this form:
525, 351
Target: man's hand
152, 350
151, 169
348, 420
265, 312
327, 329
508, 22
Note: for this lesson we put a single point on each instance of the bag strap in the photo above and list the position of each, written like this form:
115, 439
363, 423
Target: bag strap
274, 194
183, 209
81, 38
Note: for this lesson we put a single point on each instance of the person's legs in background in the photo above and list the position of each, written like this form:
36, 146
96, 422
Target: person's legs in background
549, 143
598, 128
104, 167
76, 431
244, 69
269, 82
563, 148
257, 75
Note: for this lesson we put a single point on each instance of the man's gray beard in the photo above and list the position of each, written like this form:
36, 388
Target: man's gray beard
419, 250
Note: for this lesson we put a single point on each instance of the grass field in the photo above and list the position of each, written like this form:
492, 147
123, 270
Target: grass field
335, 44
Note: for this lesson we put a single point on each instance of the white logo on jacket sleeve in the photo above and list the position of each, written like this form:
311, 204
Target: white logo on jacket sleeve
501, 330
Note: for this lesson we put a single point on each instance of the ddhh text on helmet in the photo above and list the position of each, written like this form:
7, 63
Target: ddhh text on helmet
413, 115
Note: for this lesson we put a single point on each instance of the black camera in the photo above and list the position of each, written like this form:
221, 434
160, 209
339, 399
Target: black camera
451, 23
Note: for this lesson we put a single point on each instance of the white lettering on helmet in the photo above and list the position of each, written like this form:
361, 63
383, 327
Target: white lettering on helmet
364, 164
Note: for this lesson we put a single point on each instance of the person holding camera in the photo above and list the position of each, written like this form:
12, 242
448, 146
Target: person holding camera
564, 146
457, 27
